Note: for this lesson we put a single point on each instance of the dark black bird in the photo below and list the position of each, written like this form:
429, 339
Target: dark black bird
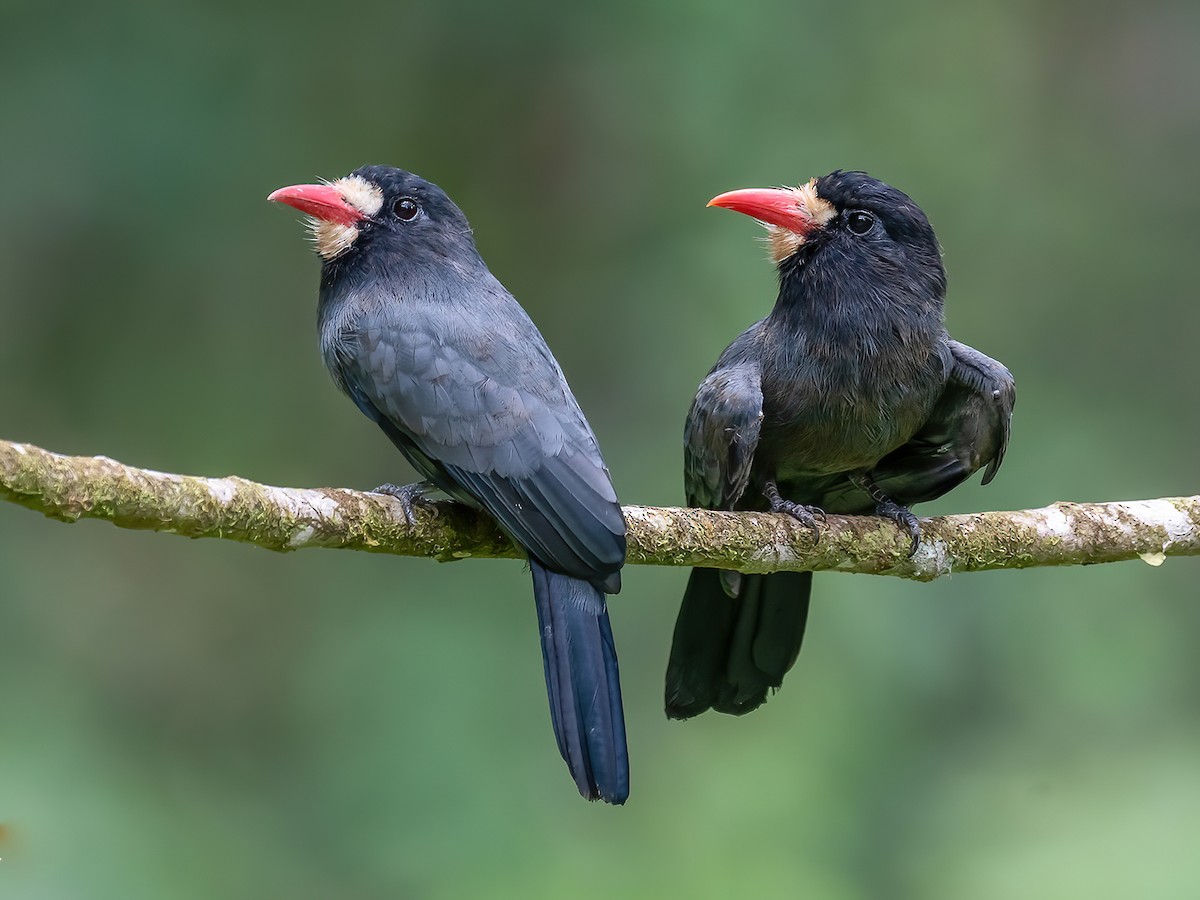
433, 349
848, 398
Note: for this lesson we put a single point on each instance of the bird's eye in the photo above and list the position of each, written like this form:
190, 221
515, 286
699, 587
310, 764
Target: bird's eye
860, 222
406, 209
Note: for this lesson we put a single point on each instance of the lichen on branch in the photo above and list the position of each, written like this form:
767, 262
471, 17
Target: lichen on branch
73, 487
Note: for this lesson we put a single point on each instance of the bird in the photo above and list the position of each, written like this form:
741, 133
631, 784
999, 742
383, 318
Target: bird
849, 397
430, 346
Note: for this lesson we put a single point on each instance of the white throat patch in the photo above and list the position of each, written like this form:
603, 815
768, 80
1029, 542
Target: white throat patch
783, 242
332, 238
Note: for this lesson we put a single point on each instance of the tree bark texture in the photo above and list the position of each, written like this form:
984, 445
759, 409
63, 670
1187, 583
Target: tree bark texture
277, 518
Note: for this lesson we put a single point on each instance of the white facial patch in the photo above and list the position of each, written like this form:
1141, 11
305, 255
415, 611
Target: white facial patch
364, 196
784, 242
333, 238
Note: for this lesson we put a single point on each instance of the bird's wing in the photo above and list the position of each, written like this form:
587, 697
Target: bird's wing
994, 394
721, 435
485, 403
967, 430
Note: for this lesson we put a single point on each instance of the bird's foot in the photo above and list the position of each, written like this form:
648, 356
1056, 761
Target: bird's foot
410, 495
903, 517
810, 517
888, 508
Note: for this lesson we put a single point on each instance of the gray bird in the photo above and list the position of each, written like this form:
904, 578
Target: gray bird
433, 349
850, 397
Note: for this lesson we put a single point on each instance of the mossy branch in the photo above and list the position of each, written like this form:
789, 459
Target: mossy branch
74, 487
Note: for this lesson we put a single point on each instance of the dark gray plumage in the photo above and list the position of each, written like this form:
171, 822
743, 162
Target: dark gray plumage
430, 346
848, 398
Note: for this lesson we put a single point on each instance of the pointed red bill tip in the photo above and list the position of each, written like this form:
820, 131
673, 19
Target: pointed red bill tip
319, 201
770, 205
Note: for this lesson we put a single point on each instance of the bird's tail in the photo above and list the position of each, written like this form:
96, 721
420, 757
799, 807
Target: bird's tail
582, 681
728, 651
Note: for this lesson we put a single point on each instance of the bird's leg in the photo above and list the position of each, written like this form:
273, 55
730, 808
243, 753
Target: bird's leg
888, 508
410, 495
809, 516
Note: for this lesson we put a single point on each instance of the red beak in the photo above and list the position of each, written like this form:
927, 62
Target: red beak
319, 201
770, 205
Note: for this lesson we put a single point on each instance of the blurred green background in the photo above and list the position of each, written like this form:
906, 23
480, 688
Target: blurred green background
204, 719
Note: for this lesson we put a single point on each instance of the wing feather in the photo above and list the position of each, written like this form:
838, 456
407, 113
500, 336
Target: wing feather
967, 430
721, 436
488, 408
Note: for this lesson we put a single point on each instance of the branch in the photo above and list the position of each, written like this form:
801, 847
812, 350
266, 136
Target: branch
74, 487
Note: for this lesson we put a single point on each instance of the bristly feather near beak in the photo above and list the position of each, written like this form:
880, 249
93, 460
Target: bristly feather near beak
790, 215
334, 210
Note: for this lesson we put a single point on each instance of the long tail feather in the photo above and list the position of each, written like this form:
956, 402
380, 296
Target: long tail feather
582, 682
728, 653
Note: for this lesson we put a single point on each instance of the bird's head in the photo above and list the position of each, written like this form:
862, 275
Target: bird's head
379, 205
846, 224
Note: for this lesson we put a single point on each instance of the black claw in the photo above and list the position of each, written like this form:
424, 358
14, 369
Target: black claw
904, 518
811, 517
890, 509
805, 515
409, 495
